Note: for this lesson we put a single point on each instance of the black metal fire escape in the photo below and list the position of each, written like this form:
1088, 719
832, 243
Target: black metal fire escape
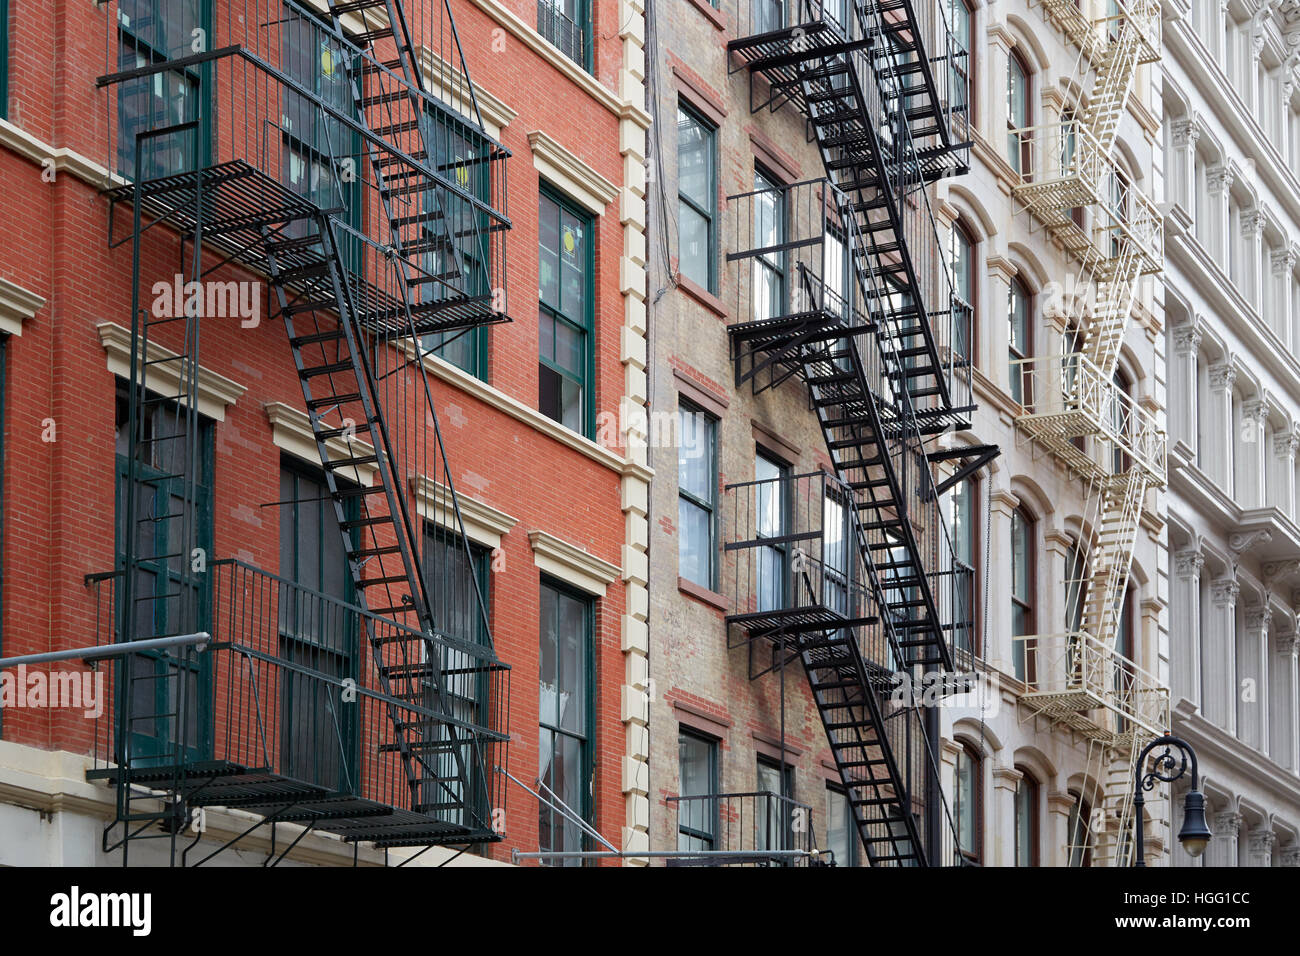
396, 243
884, 369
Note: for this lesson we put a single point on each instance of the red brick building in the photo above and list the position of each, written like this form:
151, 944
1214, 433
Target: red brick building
526, 176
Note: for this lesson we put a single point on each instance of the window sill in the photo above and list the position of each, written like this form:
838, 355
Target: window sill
702, 296
715, 17
711, 598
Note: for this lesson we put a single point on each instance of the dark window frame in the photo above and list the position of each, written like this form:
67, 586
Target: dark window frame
855, 837
974, 855
774, 264
686, 406
1024, 394
1029, 781
710, 838
1028, 604
711, 214
1024, 159
586, 324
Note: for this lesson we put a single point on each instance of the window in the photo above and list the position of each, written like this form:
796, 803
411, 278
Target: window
967, 809
315, 732
460, 154
1017, 114
773, 819
1018, 342
1126, 650
1026, 819
567, 25
697, 817
767, 15
697, 490
841, 829
165, 599
153, 32
962, 512
1080, 831
566, 276
697, 198
961, 255
770, 522
456, 573
565, 710
837, 274
837, 553
314, 143
1119, 422
769, 234
1022, 591
960, 23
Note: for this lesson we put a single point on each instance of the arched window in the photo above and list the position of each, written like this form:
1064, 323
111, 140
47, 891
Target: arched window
1018, 92
1125, 647
967, 809
1022, 590
961, 22
1026, 819
1120, 422
961, 255
963, 524
1080, 830
1019, 340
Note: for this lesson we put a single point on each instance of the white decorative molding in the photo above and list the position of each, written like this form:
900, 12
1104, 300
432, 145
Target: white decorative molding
449, 84
17, 305
575, 178
572, 565
291, 432
484, 525
60, 159
477, 388
165, 379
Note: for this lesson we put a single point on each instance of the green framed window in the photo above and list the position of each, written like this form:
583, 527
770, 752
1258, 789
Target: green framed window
769, 234
459, 152
567, 25
841, 829
773, 820
165, 598
320, 153
566, 279
566, 714
770, 521
453, 570
152, 32
697, 496
697, 198
697, 818
316, 729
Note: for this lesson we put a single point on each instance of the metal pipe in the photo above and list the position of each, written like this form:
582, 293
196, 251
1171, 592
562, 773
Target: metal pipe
107, 650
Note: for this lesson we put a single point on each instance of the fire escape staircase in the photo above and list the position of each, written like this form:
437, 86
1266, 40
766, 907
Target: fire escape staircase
343, 327
868, 94
1071, 399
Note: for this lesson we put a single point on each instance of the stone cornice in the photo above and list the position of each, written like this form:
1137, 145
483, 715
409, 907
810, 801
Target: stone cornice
215, 391
484, 525
574, 177
59, 158
291, 432
17, 305
571, 564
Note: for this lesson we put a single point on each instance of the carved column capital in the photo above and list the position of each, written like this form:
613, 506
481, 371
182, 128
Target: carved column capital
1224, 591
1222, 375
1188, 563
1290, 855
1187, 339
1282, 261
1227, 823
1186, 133
1218, 179
1285, 445
1257, 618
1252, 224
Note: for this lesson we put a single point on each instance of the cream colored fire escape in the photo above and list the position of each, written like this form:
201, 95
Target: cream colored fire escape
1072, 185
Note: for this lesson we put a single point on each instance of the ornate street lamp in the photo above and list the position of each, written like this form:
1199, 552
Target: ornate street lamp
1194, 835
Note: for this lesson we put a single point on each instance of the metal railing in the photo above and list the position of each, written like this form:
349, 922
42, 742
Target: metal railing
744, 823
287, 689
564, 31
1072, 675
1066, 397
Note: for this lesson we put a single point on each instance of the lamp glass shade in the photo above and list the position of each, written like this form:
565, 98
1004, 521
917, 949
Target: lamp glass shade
1194, 835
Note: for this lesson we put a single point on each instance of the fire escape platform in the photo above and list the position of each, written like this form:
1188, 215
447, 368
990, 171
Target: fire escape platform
241, 204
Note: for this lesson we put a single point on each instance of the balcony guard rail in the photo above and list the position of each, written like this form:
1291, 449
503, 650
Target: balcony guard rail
1093, 37
562, 30
1062, 166
1066, 397
1069, 676
280, 128
285, 709
745, 823
806, 251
